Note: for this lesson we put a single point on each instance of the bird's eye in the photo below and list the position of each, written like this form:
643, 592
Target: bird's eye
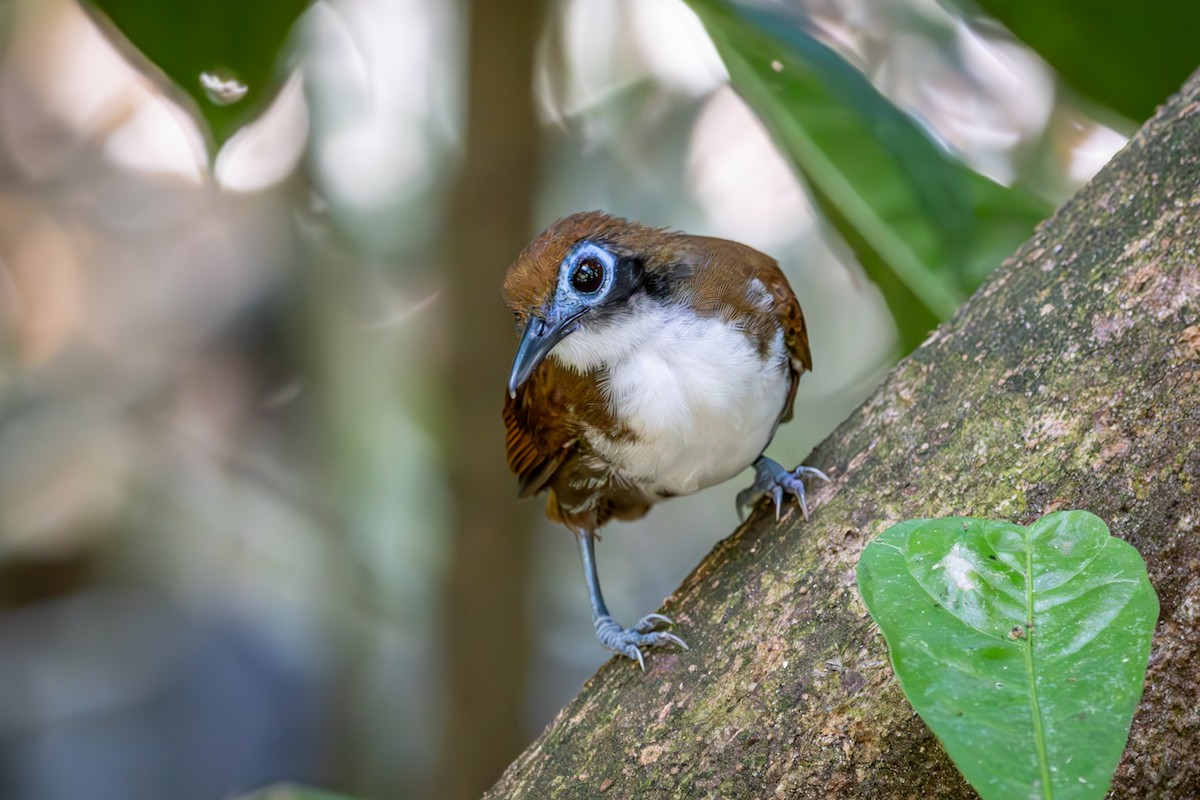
588, 275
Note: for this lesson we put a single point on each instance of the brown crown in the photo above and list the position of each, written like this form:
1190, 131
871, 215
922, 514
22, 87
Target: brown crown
531, 279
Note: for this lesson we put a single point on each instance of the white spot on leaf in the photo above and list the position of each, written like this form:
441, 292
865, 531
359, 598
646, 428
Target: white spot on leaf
958, 568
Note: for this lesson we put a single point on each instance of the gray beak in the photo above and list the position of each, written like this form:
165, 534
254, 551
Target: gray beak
537, 341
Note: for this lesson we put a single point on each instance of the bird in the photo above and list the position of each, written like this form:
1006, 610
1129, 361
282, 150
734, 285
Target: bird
651, 364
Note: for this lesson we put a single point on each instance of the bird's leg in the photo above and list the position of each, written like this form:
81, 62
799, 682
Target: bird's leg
612, 637
771, 478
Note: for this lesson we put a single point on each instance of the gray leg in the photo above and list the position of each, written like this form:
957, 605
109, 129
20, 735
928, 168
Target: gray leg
612, 637
770, 478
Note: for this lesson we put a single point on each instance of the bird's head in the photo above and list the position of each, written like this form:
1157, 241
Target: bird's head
580, 272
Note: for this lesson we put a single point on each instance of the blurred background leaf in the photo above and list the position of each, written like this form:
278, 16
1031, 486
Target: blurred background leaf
286, 791
925, 227
227, 56
1128, 59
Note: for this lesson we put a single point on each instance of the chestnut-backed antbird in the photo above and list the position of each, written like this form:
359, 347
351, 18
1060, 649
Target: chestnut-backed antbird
651, 364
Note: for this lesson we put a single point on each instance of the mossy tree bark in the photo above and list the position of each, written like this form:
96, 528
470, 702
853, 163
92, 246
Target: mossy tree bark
1071, 380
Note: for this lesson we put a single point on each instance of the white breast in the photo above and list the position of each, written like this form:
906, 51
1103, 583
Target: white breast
699, 397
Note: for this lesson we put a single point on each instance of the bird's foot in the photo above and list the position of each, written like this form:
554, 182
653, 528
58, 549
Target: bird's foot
772, 479
630, 641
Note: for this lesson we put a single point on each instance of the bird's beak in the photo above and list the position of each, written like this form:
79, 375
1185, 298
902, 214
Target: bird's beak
538, 339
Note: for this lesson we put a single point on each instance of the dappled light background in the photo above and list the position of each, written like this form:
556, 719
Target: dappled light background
226, 518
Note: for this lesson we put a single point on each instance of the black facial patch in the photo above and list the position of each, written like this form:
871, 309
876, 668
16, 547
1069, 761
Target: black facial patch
631, 275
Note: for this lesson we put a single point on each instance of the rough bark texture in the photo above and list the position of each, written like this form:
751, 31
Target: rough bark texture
1071, 380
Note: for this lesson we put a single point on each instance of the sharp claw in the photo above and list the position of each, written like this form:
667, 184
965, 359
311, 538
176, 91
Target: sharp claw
634, 652
773, 480
670, 637
743, 502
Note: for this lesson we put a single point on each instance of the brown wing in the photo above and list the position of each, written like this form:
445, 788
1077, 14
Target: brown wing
548, 451
539, 435
795, 335
724, 283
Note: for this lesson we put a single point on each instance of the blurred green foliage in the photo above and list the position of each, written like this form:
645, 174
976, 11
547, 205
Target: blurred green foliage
925, 227
1125, 56
228, 39
290, 792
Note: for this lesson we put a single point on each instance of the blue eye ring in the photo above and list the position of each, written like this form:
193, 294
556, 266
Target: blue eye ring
586, 275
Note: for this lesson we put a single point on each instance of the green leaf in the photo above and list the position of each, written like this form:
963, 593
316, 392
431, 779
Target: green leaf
1023, 649
241, 40
1127, 56
288, 791
924, 226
